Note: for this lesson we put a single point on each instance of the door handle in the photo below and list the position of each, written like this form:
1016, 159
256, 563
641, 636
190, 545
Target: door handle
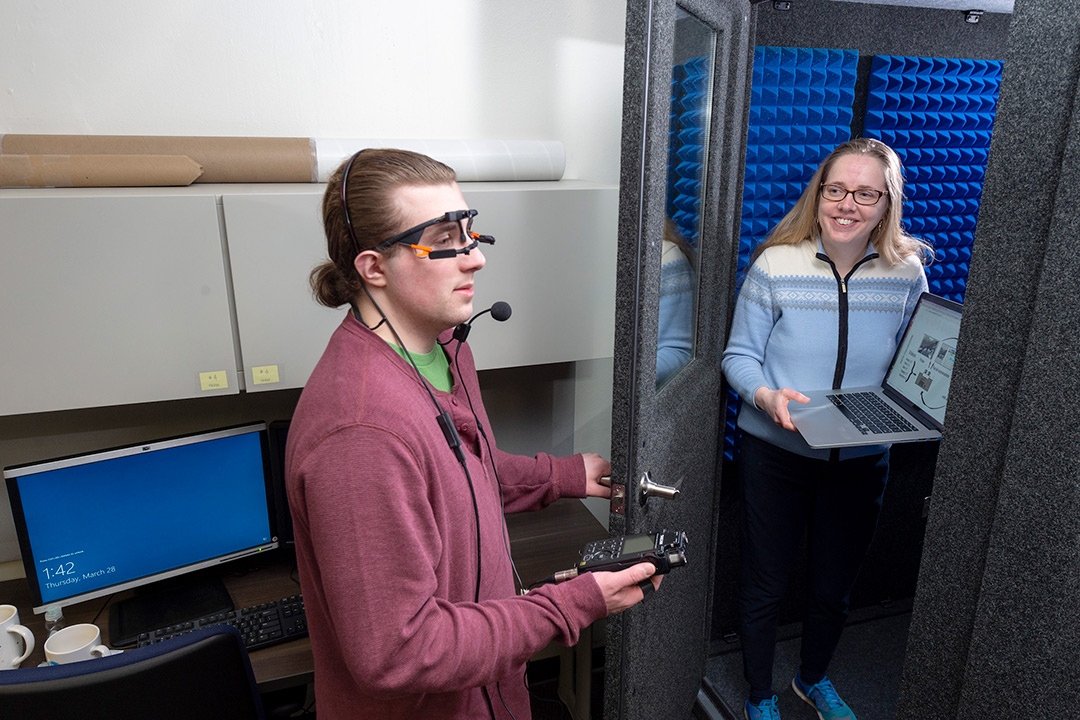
647, 489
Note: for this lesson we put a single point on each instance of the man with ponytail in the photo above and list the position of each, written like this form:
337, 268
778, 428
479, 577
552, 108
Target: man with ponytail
396, 484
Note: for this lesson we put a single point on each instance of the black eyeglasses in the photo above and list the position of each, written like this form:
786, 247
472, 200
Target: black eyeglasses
862, 196
454, 216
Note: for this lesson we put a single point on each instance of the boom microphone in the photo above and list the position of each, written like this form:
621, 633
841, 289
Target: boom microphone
500, 311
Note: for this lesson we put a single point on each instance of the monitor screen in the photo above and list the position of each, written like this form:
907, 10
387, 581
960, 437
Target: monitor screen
102, 522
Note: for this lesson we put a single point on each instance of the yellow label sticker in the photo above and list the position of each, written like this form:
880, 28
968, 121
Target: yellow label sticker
216, 380
265, 375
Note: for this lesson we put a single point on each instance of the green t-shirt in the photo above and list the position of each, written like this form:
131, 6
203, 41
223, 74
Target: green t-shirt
434, 366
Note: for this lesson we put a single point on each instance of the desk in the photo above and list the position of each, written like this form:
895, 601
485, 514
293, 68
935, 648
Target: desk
541, 542
276, 667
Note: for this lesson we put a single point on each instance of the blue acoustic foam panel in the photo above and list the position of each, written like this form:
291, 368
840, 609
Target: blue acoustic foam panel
938, 114
687, 130
800, 109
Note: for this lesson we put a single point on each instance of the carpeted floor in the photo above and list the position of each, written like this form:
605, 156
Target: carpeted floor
865, 670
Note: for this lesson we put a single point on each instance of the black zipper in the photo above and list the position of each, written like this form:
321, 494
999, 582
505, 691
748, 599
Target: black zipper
842, 328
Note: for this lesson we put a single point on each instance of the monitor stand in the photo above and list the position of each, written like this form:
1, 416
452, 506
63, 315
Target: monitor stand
170, 602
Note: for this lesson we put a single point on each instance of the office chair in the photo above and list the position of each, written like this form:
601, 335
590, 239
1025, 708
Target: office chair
204, 674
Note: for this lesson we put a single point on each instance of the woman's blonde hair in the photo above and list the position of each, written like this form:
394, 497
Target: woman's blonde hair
890, 239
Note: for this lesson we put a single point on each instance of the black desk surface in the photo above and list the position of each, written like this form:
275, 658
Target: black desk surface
541, 542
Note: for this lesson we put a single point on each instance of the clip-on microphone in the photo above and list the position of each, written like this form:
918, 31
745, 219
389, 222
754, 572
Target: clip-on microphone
500, 311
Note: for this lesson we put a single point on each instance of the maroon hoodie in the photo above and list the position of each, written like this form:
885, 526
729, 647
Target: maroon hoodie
386, 543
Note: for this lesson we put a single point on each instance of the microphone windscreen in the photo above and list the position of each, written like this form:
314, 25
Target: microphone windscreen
501, 311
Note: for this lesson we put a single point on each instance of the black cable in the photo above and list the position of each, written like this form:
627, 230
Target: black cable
454, 440
408, 356
446, 424
498, 688
559, 703
476, 514
556, 578
491, 455
506, 533
107, 600
487, 700
546, 581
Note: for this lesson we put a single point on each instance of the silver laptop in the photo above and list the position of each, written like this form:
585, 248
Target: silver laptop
908, 406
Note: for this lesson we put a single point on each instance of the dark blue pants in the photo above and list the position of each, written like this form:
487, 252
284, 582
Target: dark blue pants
785, 496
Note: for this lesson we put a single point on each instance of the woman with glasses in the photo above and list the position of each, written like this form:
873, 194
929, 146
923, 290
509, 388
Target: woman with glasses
824, 304
396, 485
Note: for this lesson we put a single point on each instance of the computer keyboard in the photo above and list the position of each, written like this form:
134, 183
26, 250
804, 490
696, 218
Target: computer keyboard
870, 414
260, 625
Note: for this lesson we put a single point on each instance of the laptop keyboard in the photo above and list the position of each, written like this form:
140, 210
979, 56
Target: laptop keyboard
870, 414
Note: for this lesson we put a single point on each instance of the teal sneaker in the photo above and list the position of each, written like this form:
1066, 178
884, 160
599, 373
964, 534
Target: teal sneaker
823, 698
765, 710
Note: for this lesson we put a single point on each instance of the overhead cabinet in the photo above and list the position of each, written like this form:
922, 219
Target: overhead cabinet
111, 298
115, 296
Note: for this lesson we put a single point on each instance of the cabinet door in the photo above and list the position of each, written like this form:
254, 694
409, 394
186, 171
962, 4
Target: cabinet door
275, 239
108, 298
553, 262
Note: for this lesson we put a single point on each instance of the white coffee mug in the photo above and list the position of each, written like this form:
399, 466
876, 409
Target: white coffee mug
16, 642
75, 643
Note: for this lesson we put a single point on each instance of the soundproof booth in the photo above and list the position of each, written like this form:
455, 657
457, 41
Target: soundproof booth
146, 481
743, 102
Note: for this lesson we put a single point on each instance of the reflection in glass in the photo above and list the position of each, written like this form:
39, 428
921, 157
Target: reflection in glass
691, 91
678, 283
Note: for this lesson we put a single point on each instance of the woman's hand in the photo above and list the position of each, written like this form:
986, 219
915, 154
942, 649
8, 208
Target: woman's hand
775, 403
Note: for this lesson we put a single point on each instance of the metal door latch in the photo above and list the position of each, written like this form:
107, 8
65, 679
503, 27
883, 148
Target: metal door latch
618, 495
647, 489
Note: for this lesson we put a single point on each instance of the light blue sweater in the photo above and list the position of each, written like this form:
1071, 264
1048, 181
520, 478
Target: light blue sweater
675, 340
788, 330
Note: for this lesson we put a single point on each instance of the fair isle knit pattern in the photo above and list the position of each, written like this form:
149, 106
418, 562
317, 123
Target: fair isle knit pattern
773, 284
867, 294
786, 329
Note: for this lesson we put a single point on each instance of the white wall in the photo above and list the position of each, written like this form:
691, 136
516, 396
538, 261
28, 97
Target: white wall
509, 69
448, 69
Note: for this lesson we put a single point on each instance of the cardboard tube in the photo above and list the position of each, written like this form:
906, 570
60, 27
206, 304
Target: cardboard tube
472, 160
97, 170
223, 159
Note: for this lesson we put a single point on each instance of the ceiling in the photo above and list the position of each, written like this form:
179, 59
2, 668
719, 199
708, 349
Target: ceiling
996, 6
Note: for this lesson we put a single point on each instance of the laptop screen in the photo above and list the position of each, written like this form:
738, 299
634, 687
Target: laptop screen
922, 367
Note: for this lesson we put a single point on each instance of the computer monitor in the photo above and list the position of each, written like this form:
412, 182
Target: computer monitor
95, 524
279, 436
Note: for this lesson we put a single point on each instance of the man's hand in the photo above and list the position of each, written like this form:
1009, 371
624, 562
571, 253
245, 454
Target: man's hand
596, 467
621, 589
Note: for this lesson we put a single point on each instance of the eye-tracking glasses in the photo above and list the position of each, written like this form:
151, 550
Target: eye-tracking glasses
416, 233
862, 196
442, 230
